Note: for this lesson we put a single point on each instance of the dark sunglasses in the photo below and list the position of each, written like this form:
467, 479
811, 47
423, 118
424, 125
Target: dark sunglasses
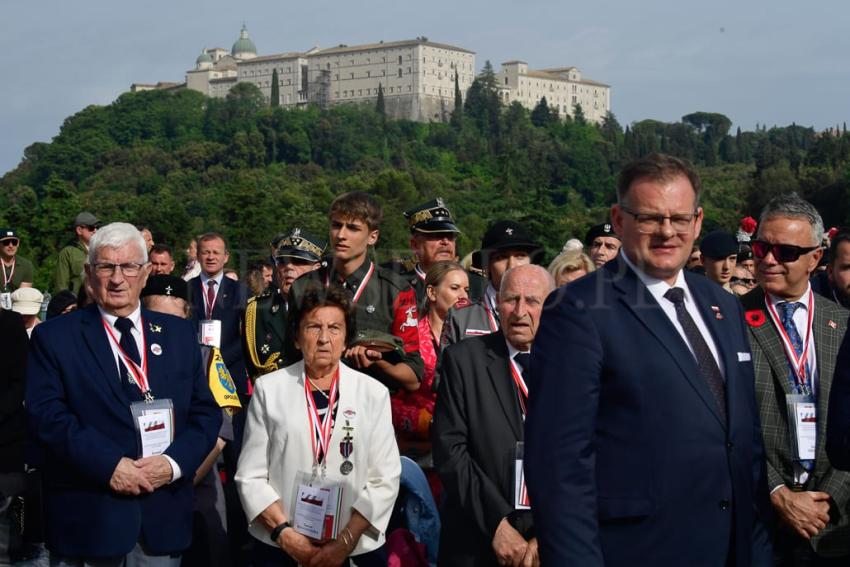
781, 252
10, 241
743, 281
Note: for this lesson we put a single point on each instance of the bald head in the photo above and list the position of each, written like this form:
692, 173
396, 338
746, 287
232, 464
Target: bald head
521, 297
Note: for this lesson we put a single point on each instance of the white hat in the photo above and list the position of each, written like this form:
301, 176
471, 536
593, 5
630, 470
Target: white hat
27, 300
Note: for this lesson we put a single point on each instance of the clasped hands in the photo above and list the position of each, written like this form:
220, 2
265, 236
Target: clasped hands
807, 513
331, 553
512, 550
132, 478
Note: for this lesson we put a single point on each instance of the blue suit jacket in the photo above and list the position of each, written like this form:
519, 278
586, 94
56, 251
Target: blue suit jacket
628, 460
229, 308
79, 411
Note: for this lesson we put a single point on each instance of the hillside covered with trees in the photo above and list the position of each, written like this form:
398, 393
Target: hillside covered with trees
183, 163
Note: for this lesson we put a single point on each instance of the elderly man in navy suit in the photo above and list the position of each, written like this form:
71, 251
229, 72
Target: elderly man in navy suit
118, 397
643, 444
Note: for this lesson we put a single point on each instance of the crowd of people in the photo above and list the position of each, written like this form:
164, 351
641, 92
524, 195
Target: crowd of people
650, 397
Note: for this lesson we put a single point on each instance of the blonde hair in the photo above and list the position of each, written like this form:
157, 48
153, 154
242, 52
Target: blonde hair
570, 261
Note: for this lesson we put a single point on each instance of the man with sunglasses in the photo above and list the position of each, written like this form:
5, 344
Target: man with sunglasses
72, 258
795, 336
641, 441
266, 320
17, 271
742, 282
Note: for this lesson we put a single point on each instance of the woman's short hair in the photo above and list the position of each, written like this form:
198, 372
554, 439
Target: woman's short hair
315, 296
570, 261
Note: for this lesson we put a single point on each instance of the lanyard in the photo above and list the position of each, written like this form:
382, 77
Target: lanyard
797, 363
8, 279
420, 273
208, 307
320, 428
139, 373
494, 326
516, 372
362, 285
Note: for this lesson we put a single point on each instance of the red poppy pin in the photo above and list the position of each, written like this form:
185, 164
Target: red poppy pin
755, 317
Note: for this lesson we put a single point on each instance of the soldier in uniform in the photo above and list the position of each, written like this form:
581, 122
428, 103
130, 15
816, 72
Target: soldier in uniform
602, 243
433, 238
505, 245
298, 252
384, 301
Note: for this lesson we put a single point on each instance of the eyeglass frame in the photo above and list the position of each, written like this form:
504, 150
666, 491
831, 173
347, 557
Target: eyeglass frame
743, 281
659, 220
100, 267
775, 250
10, 241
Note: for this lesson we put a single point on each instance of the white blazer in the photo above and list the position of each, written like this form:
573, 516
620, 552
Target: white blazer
277, 445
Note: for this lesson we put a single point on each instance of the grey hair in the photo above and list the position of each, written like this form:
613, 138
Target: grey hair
117, 235
535, 269
793, 206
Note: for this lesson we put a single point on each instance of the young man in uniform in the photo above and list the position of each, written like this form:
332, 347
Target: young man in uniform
384, 301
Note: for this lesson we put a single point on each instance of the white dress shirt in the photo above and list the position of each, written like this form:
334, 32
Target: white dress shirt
136, 318
801, 320
658, 288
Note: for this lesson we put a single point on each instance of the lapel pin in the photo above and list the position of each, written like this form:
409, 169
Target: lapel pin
156, 349
717, 314
370, 309
264, 349
275, 308
832, 324
155, 328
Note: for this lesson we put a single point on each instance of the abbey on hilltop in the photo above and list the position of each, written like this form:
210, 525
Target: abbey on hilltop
417, 78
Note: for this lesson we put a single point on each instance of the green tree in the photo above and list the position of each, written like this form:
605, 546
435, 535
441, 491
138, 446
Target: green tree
275, 94
542, 115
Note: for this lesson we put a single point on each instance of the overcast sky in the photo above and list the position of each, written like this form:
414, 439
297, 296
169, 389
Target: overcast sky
760, 62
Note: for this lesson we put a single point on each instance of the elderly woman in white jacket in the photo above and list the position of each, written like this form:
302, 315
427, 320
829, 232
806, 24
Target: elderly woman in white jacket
291, 446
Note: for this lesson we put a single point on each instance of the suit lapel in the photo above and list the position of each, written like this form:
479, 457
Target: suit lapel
96, 340
827, 342
221, 298
642, 304
154, 331
503, 385
768, 339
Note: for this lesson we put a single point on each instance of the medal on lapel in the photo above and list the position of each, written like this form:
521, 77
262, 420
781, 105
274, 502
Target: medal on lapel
346, 447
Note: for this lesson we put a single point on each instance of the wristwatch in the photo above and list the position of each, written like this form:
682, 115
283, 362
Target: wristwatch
278, 530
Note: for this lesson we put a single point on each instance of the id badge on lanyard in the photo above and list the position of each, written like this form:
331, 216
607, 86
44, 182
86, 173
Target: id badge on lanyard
209, 333
6, 300
154, 422
803, 423
521, 500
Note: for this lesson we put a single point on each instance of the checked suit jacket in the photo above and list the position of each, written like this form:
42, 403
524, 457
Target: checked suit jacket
773, 383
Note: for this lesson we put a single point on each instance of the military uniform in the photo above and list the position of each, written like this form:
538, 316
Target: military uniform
265, 332
266, 315
69, 268
384, 302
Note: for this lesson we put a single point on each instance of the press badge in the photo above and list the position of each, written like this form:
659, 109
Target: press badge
316, 507
6, 300
154, 423
802, 415
209, 333
521, 501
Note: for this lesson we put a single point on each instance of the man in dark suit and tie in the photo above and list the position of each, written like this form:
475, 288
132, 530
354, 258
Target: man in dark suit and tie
643, 443
795, 335
119, 468
478, 421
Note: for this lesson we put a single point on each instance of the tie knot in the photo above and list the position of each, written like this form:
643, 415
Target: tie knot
788, 308
523, 359
211, 284
124, 325
675, 295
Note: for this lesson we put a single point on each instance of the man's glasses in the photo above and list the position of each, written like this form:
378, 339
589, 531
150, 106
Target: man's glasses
785, 253
742, 281
129, 269
90, 227
649, 224
10, 242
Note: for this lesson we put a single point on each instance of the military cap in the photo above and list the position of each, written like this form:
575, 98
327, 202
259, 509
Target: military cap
166, 284
718, 244
6, 233
745, 251
508, 235
301, 244
603, 229
431, 217
85, 218
377, 340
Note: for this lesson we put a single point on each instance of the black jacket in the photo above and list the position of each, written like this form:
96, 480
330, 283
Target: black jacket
14, 339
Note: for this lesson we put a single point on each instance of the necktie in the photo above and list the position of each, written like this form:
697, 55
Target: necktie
708, 368
210, 297
786, 314
128, 345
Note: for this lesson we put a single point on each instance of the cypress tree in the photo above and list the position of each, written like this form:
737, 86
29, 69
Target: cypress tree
380, 106
275, 96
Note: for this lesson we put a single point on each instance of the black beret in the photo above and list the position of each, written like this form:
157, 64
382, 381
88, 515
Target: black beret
604, 229
718, 244
164, 284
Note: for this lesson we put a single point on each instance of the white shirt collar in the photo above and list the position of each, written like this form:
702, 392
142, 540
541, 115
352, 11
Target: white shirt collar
804, 299
657, 287
135, 317
512, 350
217, 279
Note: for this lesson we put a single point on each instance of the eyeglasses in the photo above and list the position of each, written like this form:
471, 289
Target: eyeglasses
129, 269
742, 281
90, 227
10, 242
785, 253
649, 224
